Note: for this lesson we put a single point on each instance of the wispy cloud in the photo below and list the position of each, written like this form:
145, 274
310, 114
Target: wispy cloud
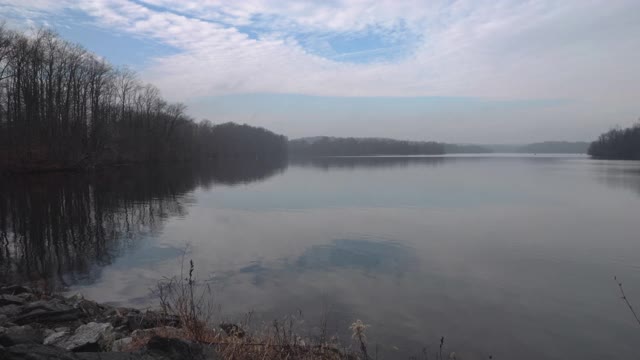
471, 48
587, 51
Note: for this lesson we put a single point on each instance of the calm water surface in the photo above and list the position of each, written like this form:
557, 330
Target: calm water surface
512, 256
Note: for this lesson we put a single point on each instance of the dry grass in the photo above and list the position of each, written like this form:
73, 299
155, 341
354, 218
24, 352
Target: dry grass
190, 301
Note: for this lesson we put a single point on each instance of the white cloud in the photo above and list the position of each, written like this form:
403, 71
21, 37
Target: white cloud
470, 48
585, 51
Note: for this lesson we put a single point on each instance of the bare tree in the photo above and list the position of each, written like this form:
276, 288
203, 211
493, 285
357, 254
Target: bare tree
62, 107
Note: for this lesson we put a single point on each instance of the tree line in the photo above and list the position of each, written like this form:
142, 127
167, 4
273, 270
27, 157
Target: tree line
333, 146
623, 144
62, 106
466, 149
555, 147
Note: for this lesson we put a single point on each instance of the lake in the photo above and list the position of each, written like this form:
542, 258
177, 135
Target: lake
505, 255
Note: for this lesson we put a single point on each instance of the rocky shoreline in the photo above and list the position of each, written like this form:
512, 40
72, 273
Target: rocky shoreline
35, 325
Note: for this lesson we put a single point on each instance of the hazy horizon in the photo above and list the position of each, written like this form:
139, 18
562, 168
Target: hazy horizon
498, 72
460, 143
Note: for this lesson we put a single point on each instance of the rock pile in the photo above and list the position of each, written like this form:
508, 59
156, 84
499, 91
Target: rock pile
34, 325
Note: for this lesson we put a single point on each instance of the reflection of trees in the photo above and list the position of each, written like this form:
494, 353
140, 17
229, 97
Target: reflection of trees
353, 162
624, 176
234, 171
58, 227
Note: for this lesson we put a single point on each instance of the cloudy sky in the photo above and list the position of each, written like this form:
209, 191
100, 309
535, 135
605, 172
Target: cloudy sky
496, 71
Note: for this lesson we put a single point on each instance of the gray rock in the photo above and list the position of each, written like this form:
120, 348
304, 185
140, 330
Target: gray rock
15, 290
27, 296
49, 317
10, 310
35, 352
21, 335
174, 349
159, 350
88, 307
48, 305
135, 321
89, 337
116, 356
163, 331
56, 338
11, 300
121, 344
233, 329
3, 319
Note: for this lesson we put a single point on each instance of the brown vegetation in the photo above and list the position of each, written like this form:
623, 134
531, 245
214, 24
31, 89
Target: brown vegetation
191, 302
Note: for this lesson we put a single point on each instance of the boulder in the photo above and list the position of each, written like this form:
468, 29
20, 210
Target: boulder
162, 331
10, 310
174, 349
48, 312
89, 337
27, 296
150, 319
233, 330
158, 349
35, 352
11, 300
56, 337
47, 305
121, 344
89, 307
15, 290
20, 335
115, 356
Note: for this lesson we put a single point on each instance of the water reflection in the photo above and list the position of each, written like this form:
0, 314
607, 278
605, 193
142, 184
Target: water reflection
416, 247
59, 229
354, 162
620, 174
386, 257
370, 257
362, 162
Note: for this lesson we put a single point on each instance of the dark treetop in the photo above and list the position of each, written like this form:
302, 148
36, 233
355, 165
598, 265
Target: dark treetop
62, 107
618, 144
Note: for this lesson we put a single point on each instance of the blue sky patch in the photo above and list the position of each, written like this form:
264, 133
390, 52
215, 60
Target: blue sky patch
117, 47
370, 45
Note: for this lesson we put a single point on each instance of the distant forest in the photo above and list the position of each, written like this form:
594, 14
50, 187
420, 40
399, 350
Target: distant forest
63, 107
466, 149
622, 144
546, 147
333, 146
555, 147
